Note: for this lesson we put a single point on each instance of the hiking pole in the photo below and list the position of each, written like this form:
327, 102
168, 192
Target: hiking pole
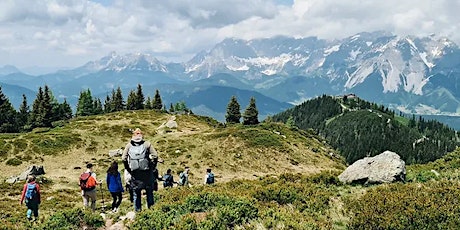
102, 192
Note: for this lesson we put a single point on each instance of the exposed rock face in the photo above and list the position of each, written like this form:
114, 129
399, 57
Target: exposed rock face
384, 168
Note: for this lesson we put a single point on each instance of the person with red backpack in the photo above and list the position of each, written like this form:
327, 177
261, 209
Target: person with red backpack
88, 185
31, 195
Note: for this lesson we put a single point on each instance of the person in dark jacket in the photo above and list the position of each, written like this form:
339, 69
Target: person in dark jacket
31, 194
114, 185
168, 179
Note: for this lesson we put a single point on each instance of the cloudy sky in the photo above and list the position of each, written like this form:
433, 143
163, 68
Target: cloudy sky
69, 33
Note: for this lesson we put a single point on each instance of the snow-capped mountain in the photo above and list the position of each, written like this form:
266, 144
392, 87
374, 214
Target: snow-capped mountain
412, 74
382, 66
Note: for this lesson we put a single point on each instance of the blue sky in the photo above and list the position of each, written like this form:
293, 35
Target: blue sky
54, 33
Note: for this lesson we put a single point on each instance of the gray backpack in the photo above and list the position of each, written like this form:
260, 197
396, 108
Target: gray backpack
137, 157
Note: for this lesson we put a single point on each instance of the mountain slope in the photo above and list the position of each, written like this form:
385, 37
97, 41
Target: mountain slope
358, 128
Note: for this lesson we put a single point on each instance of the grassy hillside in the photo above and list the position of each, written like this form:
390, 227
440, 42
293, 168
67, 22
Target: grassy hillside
233, 152
268, 177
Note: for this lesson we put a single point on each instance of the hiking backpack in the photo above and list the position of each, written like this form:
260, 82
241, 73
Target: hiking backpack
168, 180
87, 182
137, 157
31, 191
210, 179
181, 178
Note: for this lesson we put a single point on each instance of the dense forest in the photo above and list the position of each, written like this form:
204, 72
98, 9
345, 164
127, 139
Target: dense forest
358, 128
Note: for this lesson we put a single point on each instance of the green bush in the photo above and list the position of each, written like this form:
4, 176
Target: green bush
73, 219
432, 205
14, 161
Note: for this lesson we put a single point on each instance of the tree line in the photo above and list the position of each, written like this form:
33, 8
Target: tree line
46, 111
358, 128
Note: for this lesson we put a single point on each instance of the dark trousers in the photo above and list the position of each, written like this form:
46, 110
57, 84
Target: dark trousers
32, 207
137, 198
116, 197
131, 192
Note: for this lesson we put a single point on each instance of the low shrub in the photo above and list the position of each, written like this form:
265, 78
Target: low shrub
14, 161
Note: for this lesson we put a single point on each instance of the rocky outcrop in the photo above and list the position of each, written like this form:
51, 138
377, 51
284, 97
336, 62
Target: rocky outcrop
32, 170
384, 168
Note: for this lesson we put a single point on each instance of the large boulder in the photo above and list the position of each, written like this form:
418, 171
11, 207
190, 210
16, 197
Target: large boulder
384, 168
32, 170
115, 152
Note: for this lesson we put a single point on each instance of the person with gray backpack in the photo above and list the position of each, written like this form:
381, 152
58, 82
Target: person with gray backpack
140, 160
209, 177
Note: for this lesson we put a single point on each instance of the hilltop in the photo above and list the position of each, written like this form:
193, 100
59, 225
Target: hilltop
199, 142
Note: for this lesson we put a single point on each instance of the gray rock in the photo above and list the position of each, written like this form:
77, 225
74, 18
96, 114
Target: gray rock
12, 180
32, 170
171, 124
384, 168
115, 152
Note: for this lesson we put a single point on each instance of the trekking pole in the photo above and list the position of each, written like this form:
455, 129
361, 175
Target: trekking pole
102, 192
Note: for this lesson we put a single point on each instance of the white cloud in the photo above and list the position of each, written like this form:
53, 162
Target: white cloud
69, 33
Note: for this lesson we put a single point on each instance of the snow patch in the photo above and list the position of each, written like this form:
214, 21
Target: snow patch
368, 43
423, 57
331, 50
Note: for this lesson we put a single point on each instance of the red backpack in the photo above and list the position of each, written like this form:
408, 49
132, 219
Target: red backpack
87, 182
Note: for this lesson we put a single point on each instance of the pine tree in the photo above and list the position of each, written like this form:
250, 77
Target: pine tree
290, 121
65, 110
148, 103
250, 115
233, 111
8, 115
118, 103
171, 108
108, 104
85, 106
23, 112
36, 115
157, 103
131, 101
139, 102
98, 109
47, 107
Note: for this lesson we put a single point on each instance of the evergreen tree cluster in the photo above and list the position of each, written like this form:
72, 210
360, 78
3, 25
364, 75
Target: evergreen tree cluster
358, 128
250, 115
46, 109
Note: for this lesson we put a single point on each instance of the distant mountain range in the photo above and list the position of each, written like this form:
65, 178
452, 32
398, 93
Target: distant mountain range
411, 74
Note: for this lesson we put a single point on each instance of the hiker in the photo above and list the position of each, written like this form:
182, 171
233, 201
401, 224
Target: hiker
168, 179
140, 159
127, 178
114, 185
88, 183
31, 194
183, 177
209, 177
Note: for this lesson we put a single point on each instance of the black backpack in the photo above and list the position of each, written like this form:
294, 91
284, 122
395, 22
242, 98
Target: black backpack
210, 179
168, 180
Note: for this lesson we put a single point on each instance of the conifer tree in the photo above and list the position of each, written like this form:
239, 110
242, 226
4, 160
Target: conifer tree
139, 102
108, 104
131, 101
233, 111
250, 115
171, 108
8, 115
85, 104
65, 110
23, 112
148, 103
118, 103
47, 107
36, 115
157, 103
98, 109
